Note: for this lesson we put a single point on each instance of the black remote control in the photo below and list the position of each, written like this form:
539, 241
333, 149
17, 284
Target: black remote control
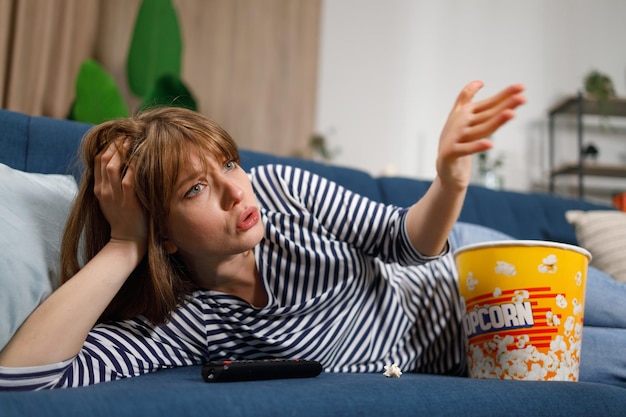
253, 370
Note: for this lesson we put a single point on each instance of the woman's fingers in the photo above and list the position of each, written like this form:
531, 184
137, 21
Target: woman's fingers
469, 125
486, 116
107, 168
114, 187
469, 91
496, 99
494, 108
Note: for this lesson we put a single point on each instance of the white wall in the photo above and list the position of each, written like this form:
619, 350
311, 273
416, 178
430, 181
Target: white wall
390, 71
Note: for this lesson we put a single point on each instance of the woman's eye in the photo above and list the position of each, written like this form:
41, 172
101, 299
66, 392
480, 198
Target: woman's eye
194, 190
230, 165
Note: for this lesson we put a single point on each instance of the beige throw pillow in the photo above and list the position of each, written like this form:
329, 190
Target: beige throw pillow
603, 233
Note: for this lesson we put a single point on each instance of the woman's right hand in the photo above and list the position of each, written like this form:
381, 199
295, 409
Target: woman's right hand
116, 194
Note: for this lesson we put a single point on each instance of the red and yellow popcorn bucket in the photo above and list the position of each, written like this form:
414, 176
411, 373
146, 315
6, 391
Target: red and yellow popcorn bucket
524, 303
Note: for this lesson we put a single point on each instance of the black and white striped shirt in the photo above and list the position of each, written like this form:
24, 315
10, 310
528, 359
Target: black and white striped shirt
344, 284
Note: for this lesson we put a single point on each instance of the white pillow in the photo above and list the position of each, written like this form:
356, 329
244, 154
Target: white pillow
603, 233
33, 211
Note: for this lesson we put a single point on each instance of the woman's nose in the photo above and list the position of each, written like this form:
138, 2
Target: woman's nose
232, 195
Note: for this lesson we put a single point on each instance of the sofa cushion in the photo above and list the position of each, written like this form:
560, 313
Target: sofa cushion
603, 233
33, 210
181, 392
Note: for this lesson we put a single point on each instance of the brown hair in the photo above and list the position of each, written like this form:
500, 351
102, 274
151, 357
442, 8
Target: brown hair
160, 143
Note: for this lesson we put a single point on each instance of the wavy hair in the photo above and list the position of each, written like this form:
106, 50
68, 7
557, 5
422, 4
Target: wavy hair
160, 141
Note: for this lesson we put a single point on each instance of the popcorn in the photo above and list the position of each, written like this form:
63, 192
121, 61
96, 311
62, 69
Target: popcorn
561, 301
392, 371
511, 357
579, 278
578, 308
519, 296
537, 372
552, 319
522, 340
503, 341
569, 325
471, 282
558, 344
505, 268
497, 292
548, 265
578, 331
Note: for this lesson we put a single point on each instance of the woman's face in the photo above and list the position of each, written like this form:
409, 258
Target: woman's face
214, 213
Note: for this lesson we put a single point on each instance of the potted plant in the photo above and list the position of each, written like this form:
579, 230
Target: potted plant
599, 87
153, 70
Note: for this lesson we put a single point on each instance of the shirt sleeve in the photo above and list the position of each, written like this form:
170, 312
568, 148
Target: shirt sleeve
376, 229
32, 377
118, 350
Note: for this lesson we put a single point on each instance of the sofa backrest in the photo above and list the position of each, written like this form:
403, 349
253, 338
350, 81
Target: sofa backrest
40, 144
47, 145
535, 216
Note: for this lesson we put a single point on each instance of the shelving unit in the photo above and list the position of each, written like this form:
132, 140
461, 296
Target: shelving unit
579, 106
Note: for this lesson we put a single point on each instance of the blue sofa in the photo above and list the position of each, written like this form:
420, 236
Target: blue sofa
45, 145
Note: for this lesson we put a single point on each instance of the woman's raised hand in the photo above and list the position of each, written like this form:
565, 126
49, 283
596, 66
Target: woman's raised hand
468, 127
465, 133
114, 189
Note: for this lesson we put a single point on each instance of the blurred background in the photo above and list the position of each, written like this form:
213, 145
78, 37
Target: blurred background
370, 82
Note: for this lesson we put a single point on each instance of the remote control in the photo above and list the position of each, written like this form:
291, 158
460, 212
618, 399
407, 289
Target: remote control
252, 370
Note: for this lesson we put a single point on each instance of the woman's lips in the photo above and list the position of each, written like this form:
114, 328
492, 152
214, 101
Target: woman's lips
248, 219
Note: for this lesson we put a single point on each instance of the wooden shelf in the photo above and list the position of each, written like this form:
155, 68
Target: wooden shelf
598, 170
615, 106
579, 106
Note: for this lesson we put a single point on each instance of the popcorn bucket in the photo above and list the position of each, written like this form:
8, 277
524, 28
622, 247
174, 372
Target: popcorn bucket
524, 303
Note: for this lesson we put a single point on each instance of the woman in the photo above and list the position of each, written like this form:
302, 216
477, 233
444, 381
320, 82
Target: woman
189, 259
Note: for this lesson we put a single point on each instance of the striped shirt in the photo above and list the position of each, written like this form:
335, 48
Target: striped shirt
345, 287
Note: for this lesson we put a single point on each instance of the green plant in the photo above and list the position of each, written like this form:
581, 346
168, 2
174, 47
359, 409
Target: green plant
599, 87
153, 70
97, 98
318, 145
488, 169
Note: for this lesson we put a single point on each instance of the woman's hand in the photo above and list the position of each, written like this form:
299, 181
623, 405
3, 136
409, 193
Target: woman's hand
465, 133
468, 127
114, 189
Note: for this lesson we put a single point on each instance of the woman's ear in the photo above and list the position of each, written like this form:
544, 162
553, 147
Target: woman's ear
169, 246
